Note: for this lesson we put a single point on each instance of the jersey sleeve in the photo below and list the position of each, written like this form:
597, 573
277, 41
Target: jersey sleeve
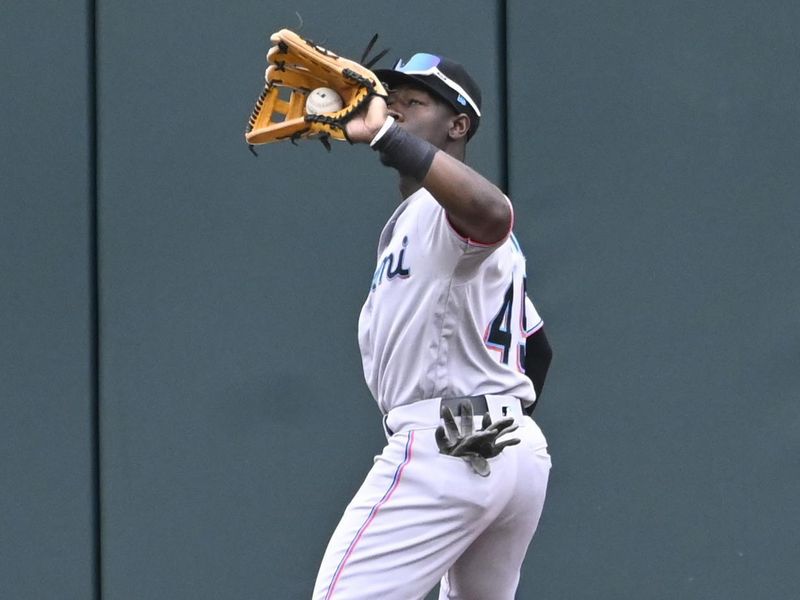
533, 322
444, 241
484, 245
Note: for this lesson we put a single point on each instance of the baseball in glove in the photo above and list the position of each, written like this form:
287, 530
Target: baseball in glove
296, 67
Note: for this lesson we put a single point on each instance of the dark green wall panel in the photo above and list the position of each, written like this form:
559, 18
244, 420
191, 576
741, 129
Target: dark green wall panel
46, 491
235, 422
656, 145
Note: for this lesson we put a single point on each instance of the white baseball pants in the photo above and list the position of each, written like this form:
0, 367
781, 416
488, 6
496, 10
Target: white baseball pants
421, 517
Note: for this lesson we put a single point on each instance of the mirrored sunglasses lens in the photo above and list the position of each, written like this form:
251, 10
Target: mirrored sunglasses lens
418, 62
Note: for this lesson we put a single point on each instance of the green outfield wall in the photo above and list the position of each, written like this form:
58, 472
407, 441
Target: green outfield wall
182, 411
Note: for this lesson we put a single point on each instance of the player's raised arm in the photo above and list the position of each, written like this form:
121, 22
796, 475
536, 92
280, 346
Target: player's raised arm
477, 208
422, 129
431, 157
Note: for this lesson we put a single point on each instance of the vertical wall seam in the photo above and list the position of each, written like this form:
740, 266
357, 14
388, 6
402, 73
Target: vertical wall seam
94, 300
502, 36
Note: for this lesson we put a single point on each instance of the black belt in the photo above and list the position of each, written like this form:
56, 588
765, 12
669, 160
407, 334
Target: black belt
479, 408
479, 405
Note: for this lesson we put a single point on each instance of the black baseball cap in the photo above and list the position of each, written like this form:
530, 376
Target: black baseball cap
442, 76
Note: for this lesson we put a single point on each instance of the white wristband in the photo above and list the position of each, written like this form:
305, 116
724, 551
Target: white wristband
384, 128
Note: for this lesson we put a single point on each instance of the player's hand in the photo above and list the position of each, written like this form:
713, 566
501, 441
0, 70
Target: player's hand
366, 123
473, 446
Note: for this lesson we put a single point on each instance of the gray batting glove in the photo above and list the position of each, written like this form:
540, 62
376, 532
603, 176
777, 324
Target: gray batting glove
473, 446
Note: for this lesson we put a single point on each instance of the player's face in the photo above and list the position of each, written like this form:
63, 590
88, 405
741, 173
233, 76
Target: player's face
421, 113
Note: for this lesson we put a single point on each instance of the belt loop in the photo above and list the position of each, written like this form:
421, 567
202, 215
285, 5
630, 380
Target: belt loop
387, 432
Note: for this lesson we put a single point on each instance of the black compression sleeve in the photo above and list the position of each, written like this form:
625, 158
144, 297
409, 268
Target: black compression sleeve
538, 355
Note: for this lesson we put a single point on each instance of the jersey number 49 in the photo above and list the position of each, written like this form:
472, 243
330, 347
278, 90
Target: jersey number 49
500, 334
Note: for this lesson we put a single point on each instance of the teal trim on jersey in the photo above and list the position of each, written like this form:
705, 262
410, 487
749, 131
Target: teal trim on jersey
516, 244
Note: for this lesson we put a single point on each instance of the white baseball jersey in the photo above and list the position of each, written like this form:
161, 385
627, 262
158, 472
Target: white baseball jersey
445, 316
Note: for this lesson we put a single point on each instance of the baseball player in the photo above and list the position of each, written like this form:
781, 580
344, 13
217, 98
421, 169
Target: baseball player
455, 355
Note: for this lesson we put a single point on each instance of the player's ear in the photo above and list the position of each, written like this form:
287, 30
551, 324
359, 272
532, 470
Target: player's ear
459, 126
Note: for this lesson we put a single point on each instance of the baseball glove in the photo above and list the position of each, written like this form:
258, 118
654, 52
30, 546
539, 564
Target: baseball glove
297, 66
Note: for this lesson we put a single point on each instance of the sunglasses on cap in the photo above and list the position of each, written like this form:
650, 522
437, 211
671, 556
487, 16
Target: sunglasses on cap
428, 64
